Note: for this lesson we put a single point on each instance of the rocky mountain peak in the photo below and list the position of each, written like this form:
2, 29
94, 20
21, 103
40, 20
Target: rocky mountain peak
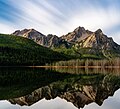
31, 34
28, 33
99, 31
80, 30
77, 35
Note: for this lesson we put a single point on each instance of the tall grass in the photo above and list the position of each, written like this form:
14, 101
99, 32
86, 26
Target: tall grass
89, 62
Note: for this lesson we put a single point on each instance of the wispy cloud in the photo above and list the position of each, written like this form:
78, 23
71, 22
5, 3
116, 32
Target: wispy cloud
41, 16
61, 16
93, 18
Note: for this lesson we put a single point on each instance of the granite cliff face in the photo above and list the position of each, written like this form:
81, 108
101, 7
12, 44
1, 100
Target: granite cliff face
32, 34
79, 91
47, 41
77, 35
95, 42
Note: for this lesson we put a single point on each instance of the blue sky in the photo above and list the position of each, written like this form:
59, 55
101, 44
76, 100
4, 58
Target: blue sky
61, 16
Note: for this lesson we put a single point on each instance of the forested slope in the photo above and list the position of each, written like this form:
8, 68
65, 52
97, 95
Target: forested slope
16, 50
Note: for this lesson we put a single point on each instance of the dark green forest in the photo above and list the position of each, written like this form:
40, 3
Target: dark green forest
16, 51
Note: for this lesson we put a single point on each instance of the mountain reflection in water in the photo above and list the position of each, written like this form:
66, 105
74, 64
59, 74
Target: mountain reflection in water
82, 88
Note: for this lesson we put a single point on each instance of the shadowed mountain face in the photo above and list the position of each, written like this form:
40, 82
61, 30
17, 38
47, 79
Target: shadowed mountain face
95, 42
79, 89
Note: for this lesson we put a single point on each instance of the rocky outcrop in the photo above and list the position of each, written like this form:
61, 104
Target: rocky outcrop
79, 91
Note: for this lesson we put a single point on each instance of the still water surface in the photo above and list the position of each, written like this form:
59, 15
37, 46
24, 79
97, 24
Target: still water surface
39, 88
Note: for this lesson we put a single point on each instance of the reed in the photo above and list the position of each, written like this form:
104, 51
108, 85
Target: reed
89, 62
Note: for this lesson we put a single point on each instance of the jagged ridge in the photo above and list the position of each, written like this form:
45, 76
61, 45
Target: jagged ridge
96, 43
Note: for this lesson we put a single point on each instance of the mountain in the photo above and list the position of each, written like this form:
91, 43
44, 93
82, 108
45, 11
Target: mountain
86, 39
16, 50
95, 43
80, 42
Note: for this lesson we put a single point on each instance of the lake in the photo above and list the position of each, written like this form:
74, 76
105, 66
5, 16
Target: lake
59, 88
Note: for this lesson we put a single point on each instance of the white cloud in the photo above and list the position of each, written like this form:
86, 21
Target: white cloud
90, 18
36, 16
93, 19
47, 18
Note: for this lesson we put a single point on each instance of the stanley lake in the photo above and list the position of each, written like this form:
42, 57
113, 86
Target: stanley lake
59, 88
